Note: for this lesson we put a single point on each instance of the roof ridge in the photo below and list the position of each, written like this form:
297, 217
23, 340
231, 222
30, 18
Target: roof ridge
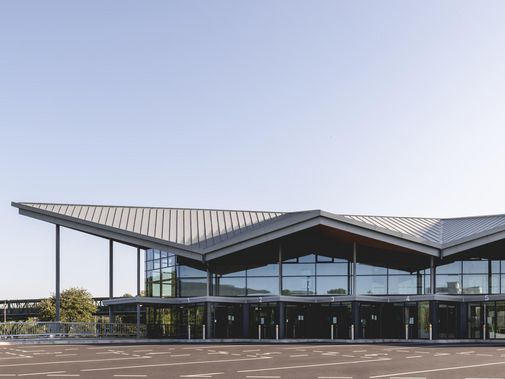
409, 217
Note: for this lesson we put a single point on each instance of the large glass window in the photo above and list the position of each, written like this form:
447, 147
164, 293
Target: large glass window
299, 285
262, 286
229, 286
449, 284
371, 285
403, 284
332, 285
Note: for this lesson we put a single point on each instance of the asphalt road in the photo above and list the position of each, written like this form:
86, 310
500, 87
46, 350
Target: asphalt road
253, 361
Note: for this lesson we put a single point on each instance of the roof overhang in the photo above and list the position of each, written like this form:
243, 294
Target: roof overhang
104, 231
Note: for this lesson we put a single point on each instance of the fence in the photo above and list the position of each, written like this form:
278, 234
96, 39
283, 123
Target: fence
69, 329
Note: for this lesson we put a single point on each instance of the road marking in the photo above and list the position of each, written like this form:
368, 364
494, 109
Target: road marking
440, 354
466, 352
438, 369
483, 378
298, 355
64, 375
413, 356
248, 351
65, 355
130, 375
76, 361
334, 377
180, 355
263, 376
42, 373
316, 365
173, 364
7, 374
208, 375
142, 351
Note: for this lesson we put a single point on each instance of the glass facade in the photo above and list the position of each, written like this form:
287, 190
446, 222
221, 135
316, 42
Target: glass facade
167, 276
470, 277
315, 274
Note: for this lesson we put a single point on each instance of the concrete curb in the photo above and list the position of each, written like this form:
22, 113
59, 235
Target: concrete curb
144, 341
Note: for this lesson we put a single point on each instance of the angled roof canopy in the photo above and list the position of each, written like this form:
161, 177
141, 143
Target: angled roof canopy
209, 233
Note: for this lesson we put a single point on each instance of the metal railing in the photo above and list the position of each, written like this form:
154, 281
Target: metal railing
69, 329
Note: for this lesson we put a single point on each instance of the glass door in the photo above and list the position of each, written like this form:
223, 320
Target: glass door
475, 320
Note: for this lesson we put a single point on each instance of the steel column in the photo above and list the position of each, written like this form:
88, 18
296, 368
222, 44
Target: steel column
354, 258
111, 277
57, 295
433, 273
138, 271
138, 320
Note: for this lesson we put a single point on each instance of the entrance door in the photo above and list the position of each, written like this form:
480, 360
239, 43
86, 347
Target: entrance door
370, 321
475, 320
447, 320
336, 317
297, 321
228, 321
262, 319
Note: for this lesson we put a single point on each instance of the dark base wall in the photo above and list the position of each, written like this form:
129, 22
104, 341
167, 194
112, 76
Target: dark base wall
366, 320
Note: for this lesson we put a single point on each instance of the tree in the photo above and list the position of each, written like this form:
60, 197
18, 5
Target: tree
76, 305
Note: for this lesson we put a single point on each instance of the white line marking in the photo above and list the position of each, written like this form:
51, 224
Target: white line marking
438, 369
334, 377
483, 378
64, 375
316, 365
263, 376
207, 375
66, 362
413, 356
174, 364
180, 355
42, 373
298, 355
130, 375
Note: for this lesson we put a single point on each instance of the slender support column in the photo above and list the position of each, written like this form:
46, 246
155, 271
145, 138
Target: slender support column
210, 321
282, 320
434, 318
57, 295
138, 271
111, 277
356, 319
245, 320
433, 273
209, 282
280, 269
138, 320
354, 259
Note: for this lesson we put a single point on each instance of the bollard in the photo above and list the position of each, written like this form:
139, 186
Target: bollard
203, 331
406, 331
276, 332
352, 332
259, 332
189, 332
331, 331
431, 332
484, 331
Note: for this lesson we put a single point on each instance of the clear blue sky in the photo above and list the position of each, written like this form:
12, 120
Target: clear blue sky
368, 107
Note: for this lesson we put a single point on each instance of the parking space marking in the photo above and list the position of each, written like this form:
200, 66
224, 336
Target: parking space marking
263, 376
438, 369
207, 375
42, 373
130, 375
67, 362
174, 364
314, 365
413, 356
298, 355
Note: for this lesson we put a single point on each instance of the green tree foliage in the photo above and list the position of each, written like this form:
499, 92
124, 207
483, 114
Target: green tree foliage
76, 305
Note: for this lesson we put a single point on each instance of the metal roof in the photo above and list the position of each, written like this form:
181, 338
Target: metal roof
201, 231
